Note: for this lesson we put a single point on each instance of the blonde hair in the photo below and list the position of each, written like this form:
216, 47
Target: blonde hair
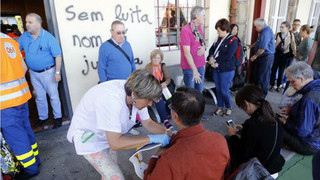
306, 27
144, 85
155, 52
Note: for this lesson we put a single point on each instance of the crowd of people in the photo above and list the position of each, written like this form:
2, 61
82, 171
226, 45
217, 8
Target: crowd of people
111, 108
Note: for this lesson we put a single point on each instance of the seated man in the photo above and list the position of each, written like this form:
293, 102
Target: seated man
193, 153
302, 128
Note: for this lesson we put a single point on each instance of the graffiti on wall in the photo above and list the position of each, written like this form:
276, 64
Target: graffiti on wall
132, 15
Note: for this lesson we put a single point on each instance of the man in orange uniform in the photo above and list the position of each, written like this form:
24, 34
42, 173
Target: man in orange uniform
14, 96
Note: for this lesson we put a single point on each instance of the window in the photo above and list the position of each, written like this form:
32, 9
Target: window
279, 11
314, 14
171, 16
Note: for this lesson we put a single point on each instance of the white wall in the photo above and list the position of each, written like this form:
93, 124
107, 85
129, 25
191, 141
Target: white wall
74, 18
303, 11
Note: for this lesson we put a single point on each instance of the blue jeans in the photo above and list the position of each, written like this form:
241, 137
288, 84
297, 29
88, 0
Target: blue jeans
44, 83
188, 76
316, 165
162, 108
19, 136
262, 72
223, 84
316, 74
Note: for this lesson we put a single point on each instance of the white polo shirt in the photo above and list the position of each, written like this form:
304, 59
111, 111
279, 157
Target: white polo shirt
103, 108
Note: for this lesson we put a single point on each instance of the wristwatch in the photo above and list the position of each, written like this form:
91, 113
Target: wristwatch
58, 72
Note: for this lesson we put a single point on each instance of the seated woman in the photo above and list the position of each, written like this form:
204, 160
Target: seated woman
301, 128
160, 72
261, 135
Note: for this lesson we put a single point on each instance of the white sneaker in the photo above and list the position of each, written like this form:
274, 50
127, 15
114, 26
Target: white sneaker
134, 132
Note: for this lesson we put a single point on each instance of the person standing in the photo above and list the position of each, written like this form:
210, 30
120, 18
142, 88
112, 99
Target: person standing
14, 96
314, 55
264, 49
193, 152
193, 47
305, 44
295, 31
116, 60
285, 51
43, 57
222, 59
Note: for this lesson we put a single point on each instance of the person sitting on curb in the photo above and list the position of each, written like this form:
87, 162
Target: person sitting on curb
193, 152
301, 128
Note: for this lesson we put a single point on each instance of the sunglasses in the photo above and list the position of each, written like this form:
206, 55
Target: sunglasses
121, 32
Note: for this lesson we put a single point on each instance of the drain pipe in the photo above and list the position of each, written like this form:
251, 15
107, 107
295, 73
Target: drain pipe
233, 11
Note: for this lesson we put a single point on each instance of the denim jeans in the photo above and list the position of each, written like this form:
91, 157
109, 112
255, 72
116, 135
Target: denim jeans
223, 84
44, 83
262, 72
17, 131
316, 165
188, 76
162, 108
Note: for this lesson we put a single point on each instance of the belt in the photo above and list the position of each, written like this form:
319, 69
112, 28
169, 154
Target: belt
46, 69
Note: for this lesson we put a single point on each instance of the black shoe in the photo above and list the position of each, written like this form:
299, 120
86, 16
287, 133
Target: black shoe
23, 176
57, 123
40, 123
137, 125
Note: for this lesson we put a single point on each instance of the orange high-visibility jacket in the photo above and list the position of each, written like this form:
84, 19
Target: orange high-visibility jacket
14, 89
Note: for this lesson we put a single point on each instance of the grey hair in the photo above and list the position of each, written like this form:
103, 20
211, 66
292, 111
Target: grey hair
38, 18
197, 10
144, 85
115, 23
300, 70
259, 22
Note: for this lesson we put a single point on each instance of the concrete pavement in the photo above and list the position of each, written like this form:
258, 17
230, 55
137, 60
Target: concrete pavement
59, 160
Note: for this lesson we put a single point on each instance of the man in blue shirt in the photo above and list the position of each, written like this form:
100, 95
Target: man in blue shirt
43, 57
264, 49
114, 64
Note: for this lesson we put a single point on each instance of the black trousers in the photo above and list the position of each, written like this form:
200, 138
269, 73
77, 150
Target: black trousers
297, 144
280, 61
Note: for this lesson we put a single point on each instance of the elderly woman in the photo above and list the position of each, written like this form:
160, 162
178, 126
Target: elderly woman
109, 110
223, 61
160, 72
261, 134
302, 129
305, 44
285, 50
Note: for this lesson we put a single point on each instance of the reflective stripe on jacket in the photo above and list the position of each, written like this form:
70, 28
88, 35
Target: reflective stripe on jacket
14, 89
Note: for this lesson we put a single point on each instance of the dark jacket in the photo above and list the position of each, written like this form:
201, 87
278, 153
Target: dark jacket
227, 50
304, 116
257, 140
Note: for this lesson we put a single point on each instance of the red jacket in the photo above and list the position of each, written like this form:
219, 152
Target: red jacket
194, 153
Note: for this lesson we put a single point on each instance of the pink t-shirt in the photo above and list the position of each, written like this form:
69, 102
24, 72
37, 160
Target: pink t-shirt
187, 39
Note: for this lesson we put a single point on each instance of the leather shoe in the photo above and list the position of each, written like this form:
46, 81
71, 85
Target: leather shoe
57, 123
40, 123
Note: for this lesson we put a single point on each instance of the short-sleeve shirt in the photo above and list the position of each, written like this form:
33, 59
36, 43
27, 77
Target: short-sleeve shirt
265, 41
40, 52
187, 39
103, 108
316, 61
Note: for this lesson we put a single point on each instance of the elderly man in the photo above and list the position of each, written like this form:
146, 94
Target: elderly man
193, 47
193, 153
264, 49
43, 57
302, 127
116, 59
314, 55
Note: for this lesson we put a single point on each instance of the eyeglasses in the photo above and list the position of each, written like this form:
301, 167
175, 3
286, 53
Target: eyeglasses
296, 24
121, 32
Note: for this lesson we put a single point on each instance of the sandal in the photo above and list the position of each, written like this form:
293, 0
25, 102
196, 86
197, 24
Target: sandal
219, 111
227, 113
